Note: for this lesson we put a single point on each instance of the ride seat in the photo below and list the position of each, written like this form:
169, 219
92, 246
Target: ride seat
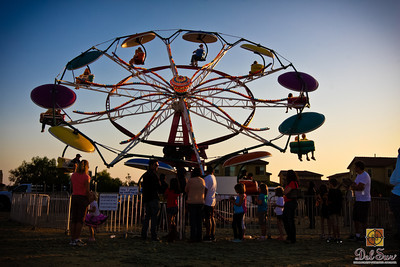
251, 186
302, 147
138, 59
297, 102
84, 78
64, 163
200, 55
47, 118
256, 68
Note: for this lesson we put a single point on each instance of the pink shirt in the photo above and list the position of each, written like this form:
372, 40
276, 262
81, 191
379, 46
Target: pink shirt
172, 198
79, 187
292, 185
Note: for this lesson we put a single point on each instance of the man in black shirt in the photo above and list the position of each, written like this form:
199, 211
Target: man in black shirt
151, 187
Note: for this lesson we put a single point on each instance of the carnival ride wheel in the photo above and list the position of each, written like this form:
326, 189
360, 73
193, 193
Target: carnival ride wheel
153, 95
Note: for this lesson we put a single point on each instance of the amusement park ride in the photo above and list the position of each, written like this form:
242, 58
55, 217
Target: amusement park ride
176, 93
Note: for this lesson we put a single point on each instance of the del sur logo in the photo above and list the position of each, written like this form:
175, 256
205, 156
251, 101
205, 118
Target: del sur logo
373, 255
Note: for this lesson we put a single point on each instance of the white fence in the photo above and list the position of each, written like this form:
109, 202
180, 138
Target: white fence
41, 210
52, 210
130, 213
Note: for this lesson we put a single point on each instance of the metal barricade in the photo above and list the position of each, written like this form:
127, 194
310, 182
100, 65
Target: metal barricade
41, 210
53, 211
130, 213
223, 212
308, 216
127, 217
380, 215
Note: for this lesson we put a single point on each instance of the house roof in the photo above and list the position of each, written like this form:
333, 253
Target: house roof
258, 162
339, 175
301, 173
255, 162
374, 161
303, 181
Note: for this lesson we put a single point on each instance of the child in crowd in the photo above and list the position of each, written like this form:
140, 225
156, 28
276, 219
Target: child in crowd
238, 213
172, 193
262, 209
322, 202
278, 209
244, 209
94, 218
335, 199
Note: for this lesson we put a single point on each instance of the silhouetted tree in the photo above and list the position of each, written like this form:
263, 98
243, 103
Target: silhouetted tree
39, 171
107, 184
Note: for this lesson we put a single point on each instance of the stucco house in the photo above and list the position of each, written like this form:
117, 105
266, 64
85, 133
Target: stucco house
305, 177
379, 168
258, 168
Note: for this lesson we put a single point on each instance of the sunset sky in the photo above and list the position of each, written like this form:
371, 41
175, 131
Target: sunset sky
350, 47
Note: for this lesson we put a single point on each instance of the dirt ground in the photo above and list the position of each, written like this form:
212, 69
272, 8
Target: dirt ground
20, 245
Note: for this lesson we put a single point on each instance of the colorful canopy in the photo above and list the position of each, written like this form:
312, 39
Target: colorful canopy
53, 95
142, 163
245, 158
257, 49
72, 138
301, 123
200, 37
298, 81
138, 39
84, 60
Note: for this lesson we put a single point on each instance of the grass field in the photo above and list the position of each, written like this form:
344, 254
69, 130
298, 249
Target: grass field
20, 245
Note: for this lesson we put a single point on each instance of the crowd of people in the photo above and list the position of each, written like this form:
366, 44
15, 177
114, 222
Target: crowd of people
329, 200
200, 200
200, 194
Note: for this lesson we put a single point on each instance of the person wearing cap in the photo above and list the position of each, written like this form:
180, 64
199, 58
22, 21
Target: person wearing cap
198, 54
75, 162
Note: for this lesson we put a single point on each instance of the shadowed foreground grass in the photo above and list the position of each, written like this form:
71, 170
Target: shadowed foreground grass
20, 245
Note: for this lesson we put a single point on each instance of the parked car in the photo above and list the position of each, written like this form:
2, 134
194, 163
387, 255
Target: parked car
6, 196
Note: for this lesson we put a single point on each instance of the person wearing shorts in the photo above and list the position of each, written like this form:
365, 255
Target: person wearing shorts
278, 209
360, 212
80, 181
262, 209
209, 204
362, 189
